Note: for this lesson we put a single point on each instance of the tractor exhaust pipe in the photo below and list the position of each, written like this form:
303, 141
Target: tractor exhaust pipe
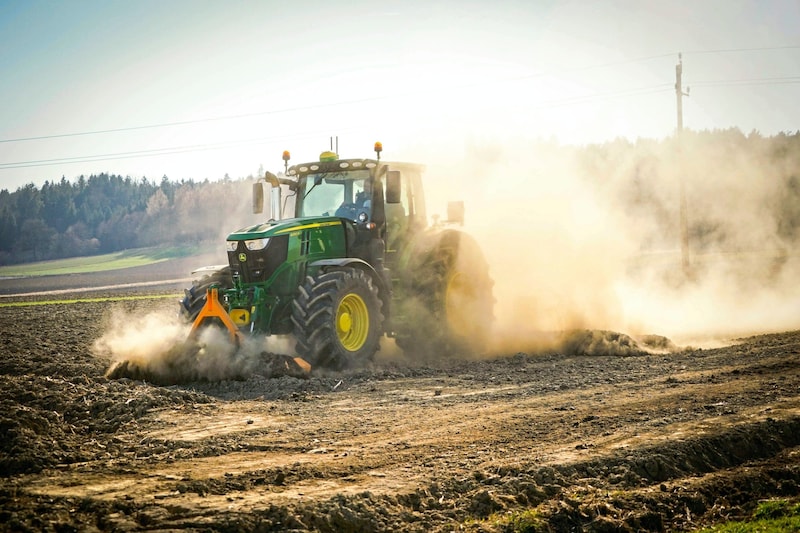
274, 196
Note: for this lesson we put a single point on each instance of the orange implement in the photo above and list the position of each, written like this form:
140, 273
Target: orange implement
214, 310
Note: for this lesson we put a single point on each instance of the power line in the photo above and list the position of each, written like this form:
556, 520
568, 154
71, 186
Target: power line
576, 100
754, 49
188, 122
379, 98
605, 96
322, 106
120, 155
554, 103
750, 81
156, 151
244, 142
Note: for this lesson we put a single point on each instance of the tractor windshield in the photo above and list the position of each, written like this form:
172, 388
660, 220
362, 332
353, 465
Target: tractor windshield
340, 194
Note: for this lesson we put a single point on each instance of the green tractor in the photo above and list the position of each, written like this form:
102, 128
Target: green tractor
355, 261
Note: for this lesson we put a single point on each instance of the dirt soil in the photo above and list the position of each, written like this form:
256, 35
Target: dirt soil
592, 440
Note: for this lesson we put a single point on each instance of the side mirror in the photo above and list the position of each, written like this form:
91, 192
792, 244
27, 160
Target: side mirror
393, 195
455, 212
258, 197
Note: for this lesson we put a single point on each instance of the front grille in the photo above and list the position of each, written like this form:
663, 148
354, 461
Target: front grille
259, 265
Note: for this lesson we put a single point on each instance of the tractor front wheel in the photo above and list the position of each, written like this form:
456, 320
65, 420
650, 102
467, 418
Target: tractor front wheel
337, 319
194, 298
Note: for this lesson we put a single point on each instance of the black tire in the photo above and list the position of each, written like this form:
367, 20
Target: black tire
337, 319
194, 298
450, 310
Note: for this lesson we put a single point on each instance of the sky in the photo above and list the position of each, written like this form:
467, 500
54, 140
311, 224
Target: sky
195, 89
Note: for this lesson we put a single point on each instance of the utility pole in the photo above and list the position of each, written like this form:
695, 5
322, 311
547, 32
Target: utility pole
684, 222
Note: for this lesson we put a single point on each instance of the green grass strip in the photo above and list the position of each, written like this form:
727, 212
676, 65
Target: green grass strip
786, 524
97, 263
773, 516
88, 300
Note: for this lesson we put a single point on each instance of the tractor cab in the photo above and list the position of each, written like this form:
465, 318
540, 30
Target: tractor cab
380, 203
347, 189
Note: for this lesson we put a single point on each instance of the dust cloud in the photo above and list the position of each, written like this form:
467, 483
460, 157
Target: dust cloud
585, 249
154, 347
589, 238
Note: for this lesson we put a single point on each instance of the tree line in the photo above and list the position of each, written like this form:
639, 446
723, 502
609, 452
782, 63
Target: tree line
105, 213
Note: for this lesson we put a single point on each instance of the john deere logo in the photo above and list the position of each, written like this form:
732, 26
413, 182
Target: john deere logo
242, 258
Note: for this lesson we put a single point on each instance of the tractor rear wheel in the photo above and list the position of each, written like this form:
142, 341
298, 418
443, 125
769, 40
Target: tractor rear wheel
194, 298
451, 306
337, 319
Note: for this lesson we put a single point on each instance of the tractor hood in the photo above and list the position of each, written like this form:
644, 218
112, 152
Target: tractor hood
282, 227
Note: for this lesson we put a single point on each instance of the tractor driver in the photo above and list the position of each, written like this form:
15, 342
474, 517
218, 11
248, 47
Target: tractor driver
359, 210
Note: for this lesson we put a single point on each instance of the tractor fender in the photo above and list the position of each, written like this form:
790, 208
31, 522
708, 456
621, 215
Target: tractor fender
340, 262
327, 264
432, 239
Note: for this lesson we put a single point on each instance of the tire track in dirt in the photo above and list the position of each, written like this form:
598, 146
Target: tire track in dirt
337, 460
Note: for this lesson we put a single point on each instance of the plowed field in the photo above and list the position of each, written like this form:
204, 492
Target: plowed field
590, 440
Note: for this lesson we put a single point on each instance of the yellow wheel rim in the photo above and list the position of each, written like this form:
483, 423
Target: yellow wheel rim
352, 322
